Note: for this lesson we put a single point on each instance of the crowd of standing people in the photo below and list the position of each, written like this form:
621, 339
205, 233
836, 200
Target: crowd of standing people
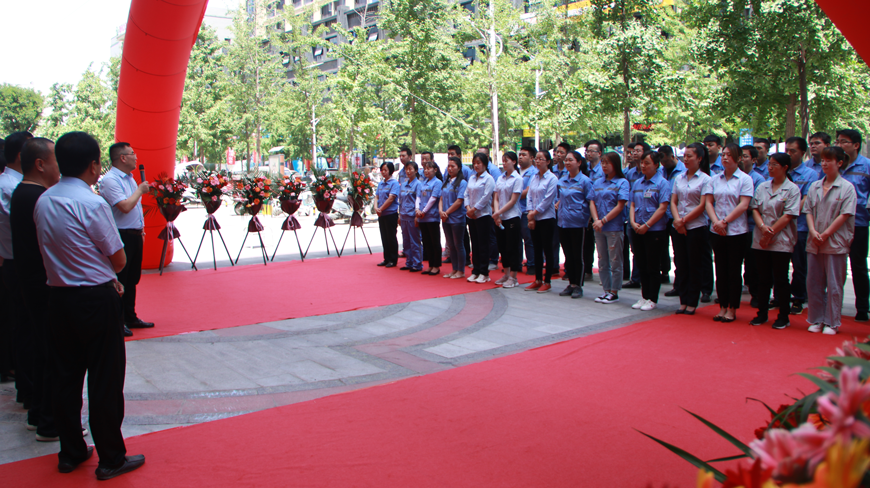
749, 215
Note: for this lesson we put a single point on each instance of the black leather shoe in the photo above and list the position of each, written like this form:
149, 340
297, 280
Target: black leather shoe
405, 268
672, 293
127, 332
130, 463
69, 466
382, 263
390, 265
139, 324
631, 284
705, 298
567, 291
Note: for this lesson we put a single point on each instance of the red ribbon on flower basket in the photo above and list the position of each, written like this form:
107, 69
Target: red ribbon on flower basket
254, 224
324, 220
170, 213
290, 207
356, 220
211, 222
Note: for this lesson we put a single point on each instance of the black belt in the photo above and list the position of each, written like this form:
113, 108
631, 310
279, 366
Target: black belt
135, 232
108, 284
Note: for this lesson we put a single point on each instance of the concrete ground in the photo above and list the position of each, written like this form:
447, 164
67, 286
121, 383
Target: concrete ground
200, 377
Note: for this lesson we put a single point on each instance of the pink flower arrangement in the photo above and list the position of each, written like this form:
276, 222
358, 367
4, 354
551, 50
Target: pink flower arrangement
210, 186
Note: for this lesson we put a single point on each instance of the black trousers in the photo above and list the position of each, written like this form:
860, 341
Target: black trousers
679, 276
648, 249
542, 239
689, 250
85, 325
707, 266
589, 249
750, 267
129, 276
858, 265
772, 271
509, 244
388, 225
573, 246
729, 253
480, 230
666, 257
431, 235
22, 334
44, 376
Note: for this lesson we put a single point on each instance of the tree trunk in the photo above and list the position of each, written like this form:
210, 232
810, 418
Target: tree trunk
313, 137
493, 89
805, 103
790, 116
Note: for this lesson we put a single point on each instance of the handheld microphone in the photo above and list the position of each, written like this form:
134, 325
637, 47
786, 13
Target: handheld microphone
142, 172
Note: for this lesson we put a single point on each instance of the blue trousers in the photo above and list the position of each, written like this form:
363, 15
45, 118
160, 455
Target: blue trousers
412, 243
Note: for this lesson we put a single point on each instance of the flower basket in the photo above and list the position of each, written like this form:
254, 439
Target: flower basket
254, 225
212, 207
324, 206
290, 207
210, 187
170, 213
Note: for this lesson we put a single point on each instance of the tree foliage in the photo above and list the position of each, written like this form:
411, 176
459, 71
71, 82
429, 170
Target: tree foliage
20, 108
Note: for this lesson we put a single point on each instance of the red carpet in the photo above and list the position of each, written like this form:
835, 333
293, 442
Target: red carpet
192, 301
558, 416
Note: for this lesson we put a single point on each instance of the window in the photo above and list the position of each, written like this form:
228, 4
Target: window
353, 20
373, 34
359, 3
317, 52
326, 10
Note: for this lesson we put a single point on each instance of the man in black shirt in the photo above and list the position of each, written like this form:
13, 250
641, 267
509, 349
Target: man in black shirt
40, 171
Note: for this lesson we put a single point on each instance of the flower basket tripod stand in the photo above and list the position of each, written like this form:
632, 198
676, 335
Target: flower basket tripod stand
290, 223
324, 222
356, 222
211, 225
254, 225
170, 232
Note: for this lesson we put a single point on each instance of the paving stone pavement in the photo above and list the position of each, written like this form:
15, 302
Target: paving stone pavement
192, 378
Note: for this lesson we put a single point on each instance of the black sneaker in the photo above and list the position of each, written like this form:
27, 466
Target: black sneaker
610, 298
705, 298
862, 317
758, 320
753, 303
567, 291
780, 324
672, 293
577, 292
796, 308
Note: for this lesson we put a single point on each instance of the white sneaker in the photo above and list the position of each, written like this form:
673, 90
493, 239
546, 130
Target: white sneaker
492, 266
650, 305
815, 328
482, 279
640, 303
601, 297
828, 330
472, 278
502, 280
511, 283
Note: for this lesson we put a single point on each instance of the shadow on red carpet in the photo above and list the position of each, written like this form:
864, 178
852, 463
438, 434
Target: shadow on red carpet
193, 301
558, 416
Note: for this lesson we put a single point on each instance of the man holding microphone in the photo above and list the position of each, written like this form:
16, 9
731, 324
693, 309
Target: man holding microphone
122, 193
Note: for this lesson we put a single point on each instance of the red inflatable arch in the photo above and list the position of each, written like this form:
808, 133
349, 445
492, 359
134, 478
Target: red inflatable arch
160, 35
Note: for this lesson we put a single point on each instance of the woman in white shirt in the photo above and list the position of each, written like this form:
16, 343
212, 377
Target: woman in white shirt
478, 206
508, 189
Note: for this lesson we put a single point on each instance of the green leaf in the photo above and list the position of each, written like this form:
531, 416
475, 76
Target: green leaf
729, 458
692, 459
772, 411
728, 437
862, 346
822, 384
852, 361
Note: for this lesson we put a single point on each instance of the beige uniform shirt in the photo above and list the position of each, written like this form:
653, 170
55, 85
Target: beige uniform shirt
841, 199
773, 205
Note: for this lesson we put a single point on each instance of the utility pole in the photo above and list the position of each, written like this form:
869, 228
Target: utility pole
493, 90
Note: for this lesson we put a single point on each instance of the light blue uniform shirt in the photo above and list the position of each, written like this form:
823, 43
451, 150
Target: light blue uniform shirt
762, 169
574, 197
403, 177
505, 187
526, 176
647, 196
428, 189
467, 172
449, 195
385, 189
717, 167
408, 198
757, 180
803, 177
608, 194
726, 196
542, 195
689, 192
493, 171
478, 194
76, 234
117, 186
9, 181
559, 173
858, 174
631, 175
817, 167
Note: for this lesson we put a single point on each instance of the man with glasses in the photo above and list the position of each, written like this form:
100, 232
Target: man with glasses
857, 171
818, 141
122, 193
